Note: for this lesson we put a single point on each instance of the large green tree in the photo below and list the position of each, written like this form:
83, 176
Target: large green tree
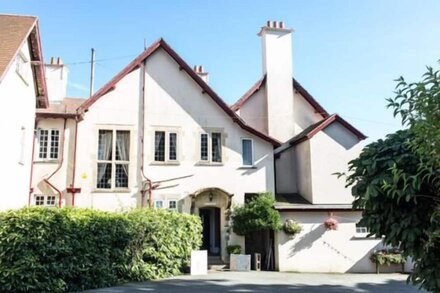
396, 181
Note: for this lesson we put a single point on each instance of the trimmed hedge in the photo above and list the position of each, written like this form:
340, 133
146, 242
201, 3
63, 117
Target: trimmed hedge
58, 250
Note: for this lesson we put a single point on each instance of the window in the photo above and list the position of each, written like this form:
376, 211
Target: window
173, 146
49, 143
247, 152
158, 204
172, 204
216, 147
45, 200
213, 142
21, 67
204, 147
113, 159
159, 146
165, 146
361, 231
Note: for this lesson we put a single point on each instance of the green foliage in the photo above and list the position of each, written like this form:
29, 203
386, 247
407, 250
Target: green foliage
387, 257
257, 215
291, 227
233, 249
58, 250
397, 180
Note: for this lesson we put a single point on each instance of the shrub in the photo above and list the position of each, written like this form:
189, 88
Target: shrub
257, 215
291, 227
233, 249
57, 250
387, 257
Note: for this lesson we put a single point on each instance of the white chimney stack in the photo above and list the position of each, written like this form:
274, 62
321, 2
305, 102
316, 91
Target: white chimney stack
200, 72
56, 79
277, 66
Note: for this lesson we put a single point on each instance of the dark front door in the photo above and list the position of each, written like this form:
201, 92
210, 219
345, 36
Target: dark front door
211, 230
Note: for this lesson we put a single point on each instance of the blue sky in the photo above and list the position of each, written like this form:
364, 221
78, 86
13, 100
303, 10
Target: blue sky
345, 53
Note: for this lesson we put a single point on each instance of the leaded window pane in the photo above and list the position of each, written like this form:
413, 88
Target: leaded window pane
43, 138
159, 146
173, 146
121, 175
204, 147
104, 175
216, 147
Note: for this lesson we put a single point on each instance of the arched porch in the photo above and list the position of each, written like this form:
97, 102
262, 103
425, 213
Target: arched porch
213, 206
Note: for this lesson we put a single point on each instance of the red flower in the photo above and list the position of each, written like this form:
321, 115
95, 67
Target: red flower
331, 224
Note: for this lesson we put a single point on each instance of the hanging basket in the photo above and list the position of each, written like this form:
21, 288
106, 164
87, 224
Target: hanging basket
331, 224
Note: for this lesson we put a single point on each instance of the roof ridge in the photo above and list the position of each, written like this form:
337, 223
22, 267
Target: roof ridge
206, 88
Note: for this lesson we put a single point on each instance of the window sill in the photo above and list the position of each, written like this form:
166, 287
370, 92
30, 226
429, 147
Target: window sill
120, 190
53, 161
209, 164
247, 167
166, 163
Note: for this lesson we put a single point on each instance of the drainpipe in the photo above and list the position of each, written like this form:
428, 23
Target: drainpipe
31, 189
142, 138
59, 166
74, 190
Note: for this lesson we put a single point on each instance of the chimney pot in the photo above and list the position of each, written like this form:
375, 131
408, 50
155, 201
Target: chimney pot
52, 60
268, 23
281, 24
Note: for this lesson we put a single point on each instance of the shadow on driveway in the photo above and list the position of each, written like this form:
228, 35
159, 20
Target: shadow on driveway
271, 282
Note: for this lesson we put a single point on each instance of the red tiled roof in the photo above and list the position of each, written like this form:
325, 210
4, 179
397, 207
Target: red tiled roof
296, 85
15, 30
184, 66
63, 109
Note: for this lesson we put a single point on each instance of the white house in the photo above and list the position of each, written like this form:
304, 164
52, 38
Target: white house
157, 135
22, 90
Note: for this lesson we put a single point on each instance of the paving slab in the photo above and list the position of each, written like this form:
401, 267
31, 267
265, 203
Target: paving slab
271, 282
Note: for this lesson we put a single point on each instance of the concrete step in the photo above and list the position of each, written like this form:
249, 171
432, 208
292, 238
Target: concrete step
215, 263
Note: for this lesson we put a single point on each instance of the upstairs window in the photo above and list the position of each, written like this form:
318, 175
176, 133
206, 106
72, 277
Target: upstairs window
49, 143
165, 146
113, 159
211, 147
21, 67
247, 152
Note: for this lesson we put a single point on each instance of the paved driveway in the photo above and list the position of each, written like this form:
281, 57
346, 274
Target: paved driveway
272, 282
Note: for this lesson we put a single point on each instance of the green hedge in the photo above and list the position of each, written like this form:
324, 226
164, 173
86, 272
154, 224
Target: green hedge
58, 250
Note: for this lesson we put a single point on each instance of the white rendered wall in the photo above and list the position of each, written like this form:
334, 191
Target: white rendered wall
286, 172
331, 150
43, 168
254, 111
118, 109
17, 125
303, 170
316, 249
277, 65
305, 115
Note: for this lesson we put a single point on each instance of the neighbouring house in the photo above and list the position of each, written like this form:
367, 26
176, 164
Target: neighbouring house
157, 135
22, 90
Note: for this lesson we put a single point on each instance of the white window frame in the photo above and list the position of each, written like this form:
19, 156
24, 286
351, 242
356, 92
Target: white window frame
209, 160
113, 160
49, 144
45, 198
361, 231
252, 152
157, 201
22, 67
169, 204
167, 159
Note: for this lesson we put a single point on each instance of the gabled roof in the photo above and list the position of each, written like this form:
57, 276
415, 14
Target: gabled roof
137, 62
313, 129
15, 30
296, 85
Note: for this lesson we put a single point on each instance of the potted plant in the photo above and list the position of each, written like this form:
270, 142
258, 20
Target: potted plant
331, 224
387, 257
233, 249
291, 227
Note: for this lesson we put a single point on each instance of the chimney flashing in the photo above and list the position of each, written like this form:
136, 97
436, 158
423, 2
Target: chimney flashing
274, 26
